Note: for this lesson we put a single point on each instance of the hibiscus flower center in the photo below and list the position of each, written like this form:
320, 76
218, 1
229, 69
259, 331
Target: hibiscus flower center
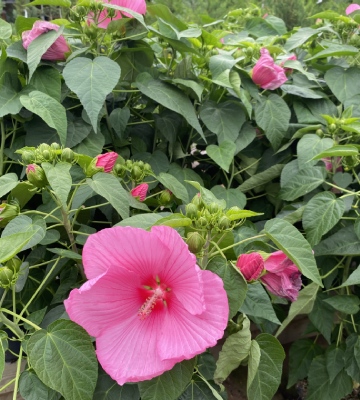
155, 295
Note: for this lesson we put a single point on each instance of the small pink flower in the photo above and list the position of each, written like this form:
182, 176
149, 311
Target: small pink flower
283, 277
147, 303
266, 73
351, 8
106, 161
57, 50
138, 6
140, 191
329, 163
250, 265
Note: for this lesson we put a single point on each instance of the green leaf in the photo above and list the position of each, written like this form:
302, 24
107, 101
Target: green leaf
12, 244
9, 100
303, 305
170, 384
108, 389
47, 80
352, 357
64, 359
299, 38
171, 183
2, 359
233, 197
47, 108
223, 154
302, 182
220, 67
7, 183
144, 221
59, 179
54, 3
22, 224
302, 92
224, 119
186, 174
257, 304
174, 220
320, 388
346, 303
273, 116
65, 253
321, 214
344, 83
261, 178
264, 383
344, 243
301, 354
235, 349
119, 119
207, 196
353, 279
322, 316
92, 81
170, 97
108, 186
31, 388
5, 29
199, 390
39, 46
158, 160
288, 239
335, 50
234, 283
196, 87
335, 362
338, 151
309, 146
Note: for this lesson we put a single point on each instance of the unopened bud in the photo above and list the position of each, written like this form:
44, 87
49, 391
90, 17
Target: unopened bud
332, 127
8, 211
6, 277
28, 156
55, 146
67, 155
36, 175
224, 223
197, 201
202, 221
136, 173
165, 197
213, 208
195, 242
191, 211
14, 264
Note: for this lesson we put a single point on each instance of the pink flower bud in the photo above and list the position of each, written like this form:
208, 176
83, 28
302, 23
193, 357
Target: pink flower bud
266, 73
140, 191
250, 265
138, 6
106, 161
57, 50
352, 7
283, 277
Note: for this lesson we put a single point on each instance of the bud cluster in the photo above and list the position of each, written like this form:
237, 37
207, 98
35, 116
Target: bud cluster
8, 211
9, 273
46, 153
135, 170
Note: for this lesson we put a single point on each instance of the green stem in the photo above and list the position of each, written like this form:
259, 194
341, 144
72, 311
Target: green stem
5, 310
7, 384
11, 325
333, 269
17, 376
236, 244
40, 286
205, 258
2, 145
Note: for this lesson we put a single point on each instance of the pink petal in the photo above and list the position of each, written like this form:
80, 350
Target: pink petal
103, 301
128, 351
180, 271
57, 50
140, 191
106, 161
351, 8
250, 265
184, 335
138, 6
277, 261
38, 29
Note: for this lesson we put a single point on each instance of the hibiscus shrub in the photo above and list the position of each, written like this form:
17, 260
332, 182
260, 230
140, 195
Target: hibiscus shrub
170, 191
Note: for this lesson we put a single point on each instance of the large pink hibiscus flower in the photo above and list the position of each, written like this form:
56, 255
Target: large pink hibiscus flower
147, 303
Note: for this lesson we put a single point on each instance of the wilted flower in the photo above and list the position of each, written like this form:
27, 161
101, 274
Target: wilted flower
329, 162
140, 191
351, 8
147, 303
138, 6
57, 50
266, 73
283, 277
250, 265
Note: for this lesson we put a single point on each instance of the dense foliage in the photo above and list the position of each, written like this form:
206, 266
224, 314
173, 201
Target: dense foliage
241, 135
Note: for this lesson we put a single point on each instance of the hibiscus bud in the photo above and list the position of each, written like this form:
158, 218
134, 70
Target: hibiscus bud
6, 277
36, 175
147, 168
197, 201
67, 155
224, 223
249, 51
266, 73
213, 208
319, 132
14, 264
195, 242
57, 50
202, 221
165, 197
28, 156
8, 211
191, 211
102, 163
55, 146
120, 170
136, 173
332, 128
250, 265
140, 191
